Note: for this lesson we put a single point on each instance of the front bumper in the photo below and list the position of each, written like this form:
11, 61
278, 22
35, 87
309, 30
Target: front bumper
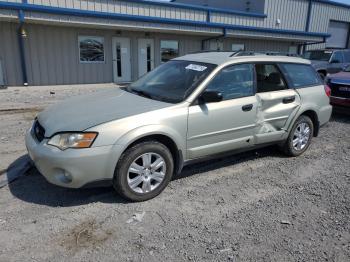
72, 168
340, 101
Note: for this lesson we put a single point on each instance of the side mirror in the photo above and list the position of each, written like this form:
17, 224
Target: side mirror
210, 97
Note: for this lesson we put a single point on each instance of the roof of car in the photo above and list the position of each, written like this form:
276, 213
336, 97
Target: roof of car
328, 49
219, 58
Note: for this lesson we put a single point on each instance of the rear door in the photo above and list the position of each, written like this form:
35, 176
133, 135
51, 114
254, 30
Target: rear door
277, 104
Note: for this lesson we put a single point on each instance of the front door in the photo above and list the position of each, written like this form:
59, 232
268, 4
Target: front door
121, 59
227, 125
145, 55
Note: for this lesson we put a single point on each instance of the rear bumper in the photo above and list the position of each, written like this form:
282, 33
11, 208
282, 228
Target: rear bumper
340, 101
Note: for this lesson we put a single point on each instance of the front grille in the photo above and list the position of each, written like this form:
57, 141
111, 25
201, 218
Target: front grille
38, 131
340, 90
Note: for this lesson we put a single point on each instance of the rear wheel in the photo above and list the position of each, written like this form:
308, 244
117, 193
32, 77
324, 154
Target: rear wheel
300, 136
143, 171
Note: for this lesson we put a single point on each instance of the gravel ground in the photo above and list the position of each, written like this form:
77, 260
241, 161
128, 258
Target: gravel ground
255, 206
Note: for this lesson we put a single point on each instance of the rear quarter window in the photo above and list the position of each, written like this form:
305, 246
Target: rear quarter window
301, 75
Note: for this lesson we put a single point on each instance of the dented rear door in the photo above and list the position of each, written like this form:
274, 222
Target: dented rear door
275, 112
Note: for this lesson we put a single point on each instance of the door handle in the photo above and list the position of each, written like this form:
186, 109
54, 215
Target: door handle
246, 108
288, 100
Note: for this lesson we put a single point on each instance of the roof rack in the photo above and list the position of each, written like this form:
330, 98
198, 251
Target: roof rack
247, 53
244, 53
281, 53
211, 51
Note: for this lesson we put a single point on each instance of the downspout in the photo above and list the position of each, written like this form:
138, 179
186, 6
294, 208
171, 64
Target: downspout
21, 35
307, 25
223, 35
301, 48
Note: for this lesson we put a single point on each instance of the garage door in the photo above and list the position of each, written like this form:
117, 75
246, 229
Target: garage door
339, 32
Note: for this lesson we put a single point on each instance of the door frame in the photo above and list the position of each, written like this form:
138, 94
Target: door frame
152, 60
125, 65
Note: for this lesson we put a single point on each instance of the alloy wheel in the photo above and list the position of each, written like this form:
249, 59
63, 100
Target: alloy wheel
146, 172
301, 136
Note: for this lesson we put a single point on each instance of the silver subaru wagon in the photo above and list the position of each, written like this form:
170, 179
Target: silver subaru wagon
191, 108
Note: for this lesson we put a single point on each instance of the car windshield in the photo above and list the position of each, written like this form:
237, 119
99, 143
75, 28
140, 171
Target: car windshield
318, 55
347, 69
172, 81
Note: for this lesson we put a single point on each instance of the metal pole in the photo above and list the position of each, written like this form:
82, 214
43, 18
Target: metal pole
21, 38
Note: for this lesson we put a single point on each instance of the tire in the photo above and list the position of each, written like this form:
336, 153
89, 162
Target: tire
145, 183
289, 146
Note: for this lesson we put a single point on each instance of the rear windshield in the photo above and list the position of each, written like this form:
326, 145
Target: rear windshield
301, 75
323, 55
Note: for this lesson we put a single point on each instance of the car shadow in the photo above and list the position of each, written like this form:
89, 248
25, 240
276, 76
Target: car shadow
341, 115
229, 160
33, 187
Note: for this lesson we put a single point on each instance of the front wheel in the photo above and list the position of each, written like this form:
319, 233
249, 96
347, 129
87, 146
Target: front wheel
143, 171
300, 136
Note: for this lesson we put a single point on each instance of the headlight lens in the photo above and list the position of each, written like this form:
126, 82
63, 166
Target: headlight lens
72, 140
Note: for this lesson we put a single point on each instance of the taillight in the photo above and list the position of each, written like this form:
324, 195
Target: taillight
328, 90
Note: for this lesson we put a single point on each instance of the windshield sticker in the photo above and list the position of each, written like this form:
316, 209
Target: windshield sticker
196, 67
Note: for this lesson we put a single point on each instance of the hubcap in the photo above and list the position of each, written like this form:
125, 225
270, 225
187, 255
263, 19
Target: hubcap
146, 173
301, 136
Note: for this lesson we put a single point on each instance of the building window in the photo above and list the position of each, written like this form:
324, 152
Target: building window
169, 49
91, 49
119, 60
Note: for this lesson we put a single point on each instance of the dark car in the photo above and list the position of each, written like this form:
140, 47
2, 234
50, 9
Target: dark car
340, 88
328, 61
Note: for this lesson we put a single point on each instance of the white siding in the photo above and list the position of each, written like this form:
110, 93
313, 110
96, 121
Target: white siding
292, 13
9, 53
129, 8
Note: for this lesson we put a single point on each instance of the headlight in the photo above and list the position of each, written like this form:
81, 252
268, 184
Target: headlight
72, 140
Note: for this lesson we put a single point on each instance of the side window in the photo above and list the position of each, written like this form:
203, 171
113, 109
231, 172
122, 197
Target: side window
346, 56
269, 78
234, 81
301, 75
337, 57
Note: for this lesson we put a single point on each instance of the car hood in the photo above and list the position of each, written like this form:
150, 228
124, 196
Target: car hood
82, 112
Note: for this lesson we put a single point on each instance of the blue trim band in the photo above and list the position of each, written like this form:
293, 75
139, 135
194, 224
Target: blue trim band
197, 7
137, 18
309, 9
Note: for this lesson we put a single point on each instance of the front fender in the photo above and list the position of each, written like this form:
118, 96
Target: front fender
149, 130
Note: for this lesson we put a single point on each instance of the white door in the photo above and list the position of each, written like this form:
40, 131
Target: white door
145, 55
121, 59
